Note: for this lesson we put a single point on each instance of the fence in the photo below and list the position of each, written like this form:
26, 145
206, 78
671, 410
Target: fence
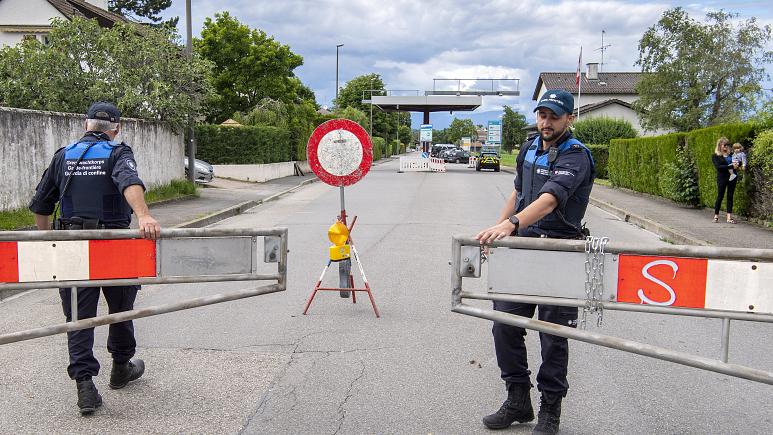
93, 258
598, 277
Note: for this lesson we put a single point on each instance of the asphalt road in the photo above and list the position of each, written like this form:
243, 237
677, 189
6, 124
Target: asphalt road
259, 366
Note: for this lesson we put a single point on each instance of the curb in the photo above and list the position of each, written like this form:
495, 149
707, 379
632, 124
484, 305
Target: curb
238, 208
649, 225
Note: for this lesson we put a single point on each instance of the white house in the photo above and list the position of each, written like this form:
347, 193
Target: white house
20, 19
603, 94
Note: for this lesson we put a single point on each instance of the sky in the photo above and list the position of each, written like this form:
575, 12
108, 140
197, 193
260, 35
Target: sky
410, 42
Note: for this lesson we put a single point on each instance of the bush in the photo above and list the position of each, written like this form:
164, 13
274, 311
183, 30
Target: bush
243, 145
378, 147
394, 147
602, 130
635, 163
701, 144
678, 181
600, 159
760, 167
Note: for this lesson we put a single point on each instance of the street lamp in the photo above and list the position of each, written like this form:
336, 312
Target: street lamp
337, 47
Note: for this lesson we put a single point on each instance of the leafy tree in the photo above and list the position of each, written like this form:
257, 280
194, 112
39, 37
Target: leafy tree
460, 128
138, 9
351, 95
404, 133
513, 133
249, 66
355, 115
299, 119
700, 73
143, 70
600, 131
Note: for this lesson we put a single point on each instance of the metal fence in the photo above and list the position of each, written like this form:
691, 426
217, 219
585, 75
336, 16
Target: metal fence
194, 255
568, 277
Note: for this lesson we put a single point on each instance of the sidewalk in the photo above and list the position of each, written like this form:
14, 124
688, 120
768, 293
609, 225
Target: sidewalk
677, 223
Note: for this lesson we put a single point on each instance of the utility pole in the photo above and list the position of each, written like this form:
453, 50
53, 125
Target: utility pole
337, 47
191, 148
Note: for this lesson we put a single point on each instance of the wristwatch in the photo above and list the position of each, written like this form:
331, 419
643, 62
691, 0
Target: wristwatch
514, 220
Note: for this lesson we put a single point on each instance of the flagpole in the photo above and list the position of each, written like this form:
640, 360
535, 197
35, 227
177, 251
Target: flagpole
579, 83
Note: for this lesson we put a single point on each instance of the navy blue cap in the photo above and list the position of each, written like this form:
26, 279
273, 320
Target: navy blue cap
557, 100
104, 111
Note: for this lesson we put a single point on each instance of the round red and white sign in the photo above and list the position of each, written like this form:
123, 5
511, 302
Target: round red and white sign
340, 152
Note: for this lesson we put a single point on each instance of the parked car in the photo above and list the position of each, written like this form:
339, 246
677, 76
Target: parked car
457, 155
438, 148
204, 172
487, 160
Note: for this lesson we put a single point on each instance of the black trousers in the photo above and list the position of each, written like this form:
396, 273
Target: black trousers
723, 183
120, 340
511, 349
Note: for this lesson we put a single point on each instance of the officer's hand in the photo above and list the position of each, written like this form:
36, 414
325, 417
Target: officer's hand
497, 232
149, 228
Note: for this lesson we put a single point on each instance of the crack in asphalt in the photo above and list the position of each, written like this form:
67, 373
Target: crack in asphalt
349, 395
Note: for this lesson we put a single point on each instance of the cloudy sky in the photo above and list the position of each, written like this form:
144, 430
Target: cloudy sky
410, 42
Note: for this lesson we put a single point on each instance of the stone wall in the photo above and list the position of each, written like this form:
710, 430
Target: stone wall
29, 138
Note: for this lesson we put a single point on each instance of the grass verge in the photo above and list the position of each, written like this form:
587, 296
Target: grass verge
23, 218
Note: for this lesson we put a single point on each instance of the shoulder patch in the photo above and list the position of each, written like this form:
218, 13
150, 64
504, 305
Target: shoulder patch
577, 146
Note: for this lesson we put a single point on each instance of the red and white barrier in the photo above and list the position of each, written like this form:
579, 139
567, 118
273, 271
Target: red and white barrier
420, 164
472, 162
437, 165
72, 260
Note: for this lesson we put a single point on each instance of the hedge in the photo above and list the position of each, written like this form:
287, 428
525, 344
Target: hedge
221, 145
636, 163
761, 168
701, 144
378, 147
602, 129
600, 158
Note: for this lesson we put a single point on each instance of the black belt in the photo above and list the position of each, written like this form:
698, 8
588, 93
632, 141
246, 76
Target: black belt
78, 223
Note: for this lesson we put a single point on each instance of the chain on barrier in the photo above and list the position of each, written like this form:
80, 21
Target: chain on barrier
594, 279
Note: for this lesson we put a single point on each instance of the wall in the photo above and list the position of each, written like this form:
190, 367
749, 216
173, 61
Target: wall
28, 140
260, 173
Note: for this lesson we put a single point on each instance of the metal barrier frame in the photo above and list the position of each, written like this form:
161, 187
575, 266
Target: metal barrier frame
280, 277
719, 366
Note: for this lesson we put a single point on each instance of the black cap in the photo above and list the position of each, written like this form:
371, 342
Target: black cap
104, 111
557, 100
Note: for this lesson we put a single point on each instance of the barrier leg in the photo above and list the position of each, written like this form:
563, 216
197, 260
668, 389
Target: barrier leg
316, 289
74, 304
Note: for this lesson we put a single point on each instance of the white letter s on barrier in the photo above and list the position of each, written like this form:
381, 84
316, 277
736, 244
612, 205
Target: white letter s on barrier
646, 274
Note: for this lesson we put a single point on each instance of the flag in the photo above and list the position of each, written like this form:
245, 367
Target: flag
579, 64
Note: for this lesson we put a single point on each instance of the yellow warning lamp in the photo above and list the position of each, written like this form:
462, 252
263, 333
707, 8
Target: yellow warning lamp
339, 235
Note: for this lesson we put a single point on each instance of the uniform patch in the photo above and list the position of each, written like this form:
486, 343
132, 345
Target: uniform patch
133, 166
563, 172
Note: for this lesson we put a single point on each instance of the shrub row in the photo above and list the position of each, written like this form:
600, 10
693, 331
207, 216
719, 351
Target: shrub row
600, 155
378, 147
243, 145
678, 165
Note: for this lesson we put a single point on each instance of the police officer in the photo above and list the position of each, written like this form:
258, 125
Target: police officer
95, 184
554, 176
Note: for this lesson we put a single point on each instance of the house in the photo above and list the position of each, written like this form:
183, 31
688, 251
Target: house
21, 19
603, 94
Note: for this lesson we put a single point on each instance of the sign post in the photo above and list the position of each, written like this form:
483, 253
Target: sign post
425, 137
494, 136
340, 153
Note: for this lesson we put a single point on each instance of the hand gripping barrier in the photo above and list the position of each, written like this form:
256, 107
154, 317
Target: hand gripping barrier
700, 281
96, 258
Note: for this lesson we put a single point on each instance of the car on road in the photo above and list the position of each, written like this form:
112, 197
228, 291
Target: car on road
488, 160
204, 172
456, 155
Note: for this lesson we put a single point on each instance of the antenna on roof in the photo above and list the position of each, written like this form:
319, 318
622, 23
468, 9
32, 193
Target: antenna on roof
603, 48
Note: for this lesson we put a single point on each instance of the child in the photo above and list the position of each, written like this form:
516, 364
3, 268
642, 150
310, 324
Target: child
739, 157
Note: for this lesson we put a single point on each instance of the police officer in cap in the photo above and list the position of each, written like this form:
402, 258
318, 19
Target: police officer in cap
93, 184
554, 177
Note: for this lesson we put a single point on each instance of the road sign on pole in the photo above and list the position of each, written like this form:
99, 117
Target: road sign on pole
425, 134
340, 152
494, 133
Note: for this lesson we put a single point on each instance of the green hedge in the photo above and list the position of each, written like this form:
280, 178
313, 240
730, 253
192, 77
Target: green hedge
636, 163
378, 147
701, 144
600, 158
602, 129
243, 145
760, 166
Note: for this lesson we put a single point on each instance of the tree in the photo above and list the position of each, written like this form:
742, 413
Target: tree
700, 74
513, 133
138, 9
249, 66
351, 95
460, 128
142, 69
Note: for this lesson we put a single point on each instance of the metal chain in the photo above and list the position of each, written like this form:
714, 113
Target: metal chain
594, 278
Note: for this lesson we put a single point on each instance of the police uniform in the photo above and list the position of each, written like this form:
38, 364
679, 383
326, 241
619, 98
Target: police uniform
567, 173
92, 173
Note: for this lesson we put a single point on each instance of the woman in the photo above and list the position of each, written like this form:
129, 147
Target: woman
723, 161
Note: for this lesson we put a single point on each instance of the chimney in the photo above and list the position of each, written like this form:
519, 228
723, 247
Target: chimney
593, 71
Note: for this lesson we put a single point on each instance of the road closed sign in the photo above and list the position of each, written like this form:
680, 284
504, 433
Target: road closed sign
340, 152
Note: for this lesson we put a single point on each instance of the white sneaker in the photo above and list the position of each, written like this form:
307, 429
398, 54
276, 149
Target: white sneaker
732, 177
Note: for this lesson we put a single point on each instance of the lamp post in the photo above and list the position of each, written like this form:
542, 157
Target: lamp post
337, 47
191, 148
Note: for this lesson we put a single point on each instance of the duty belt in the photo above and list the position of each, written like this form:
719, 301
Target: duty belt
78, 223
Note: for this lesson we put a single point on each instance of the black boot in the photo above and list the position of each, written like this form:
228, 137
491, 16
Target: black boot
124, 373
88, 397
549, 416
517, 407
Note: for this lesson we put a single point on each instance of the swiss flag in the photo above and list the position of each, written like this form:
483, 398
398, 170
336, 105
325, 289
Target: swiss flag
579, 63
